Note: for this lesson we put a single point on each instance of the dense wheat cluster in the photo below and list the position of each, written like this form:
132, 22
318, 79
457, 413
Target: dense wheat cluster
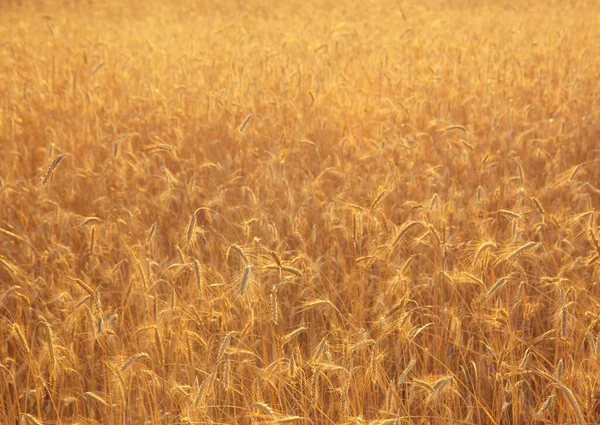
331, 212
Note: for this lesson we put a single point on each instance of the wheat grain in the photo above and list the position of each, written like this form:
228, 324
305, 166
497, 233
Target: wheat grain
190, 229
521, 250
18, 332
510, 214
423, 384
198, 274
265, 408
538, 205
435, 234
483, 248
89, 220
245, 123
441, 382
92, 395
559, 370
151, 232
201, 390
276, 258
32, 419
133, 360
403, 230
292, 270
7, 294
546, 405
433, 201
521, 177
288, 337
246, 279
496, 286
574, 172
321, 349
573, 402
409, 367
455, 127
224, 345
52, 350
240, 252
227, 375
315, 384
52, 167
594, 240
377, 200
289, 419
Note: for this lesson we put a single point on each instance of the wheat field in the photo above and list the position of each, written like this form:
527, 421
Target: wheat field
321, 212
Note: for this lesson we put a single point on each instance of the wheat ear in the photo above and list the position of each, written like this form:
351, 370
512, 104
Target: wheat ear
52, 167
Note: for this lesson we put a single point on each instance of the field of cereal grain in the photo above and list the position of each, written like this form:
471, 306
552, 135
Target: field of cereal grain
320, 212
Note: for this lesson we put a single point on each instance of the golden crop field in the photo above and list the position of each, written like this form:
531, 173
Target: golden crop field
290, 212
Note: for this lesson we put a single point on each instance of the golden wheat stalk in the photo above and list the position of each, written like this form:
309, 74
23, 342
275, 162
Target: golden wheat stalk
403, 230
32, 419
510, 214
52, 350
18, 332
198, 274
496, 286
377, 200
263, 407
52, 167
594, 239
224, 346
245, 123
433, 201
190, 229
573, 402
93, 396
409, 367
90, 220
315, 385
276, 258
546, 405
455, 127
239, 251
321, 349
521, 250
288, 337
227, 375
138, 357
151, 232
246, 279
538, 205
291, 270
290, 419
488, 245
10, 290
